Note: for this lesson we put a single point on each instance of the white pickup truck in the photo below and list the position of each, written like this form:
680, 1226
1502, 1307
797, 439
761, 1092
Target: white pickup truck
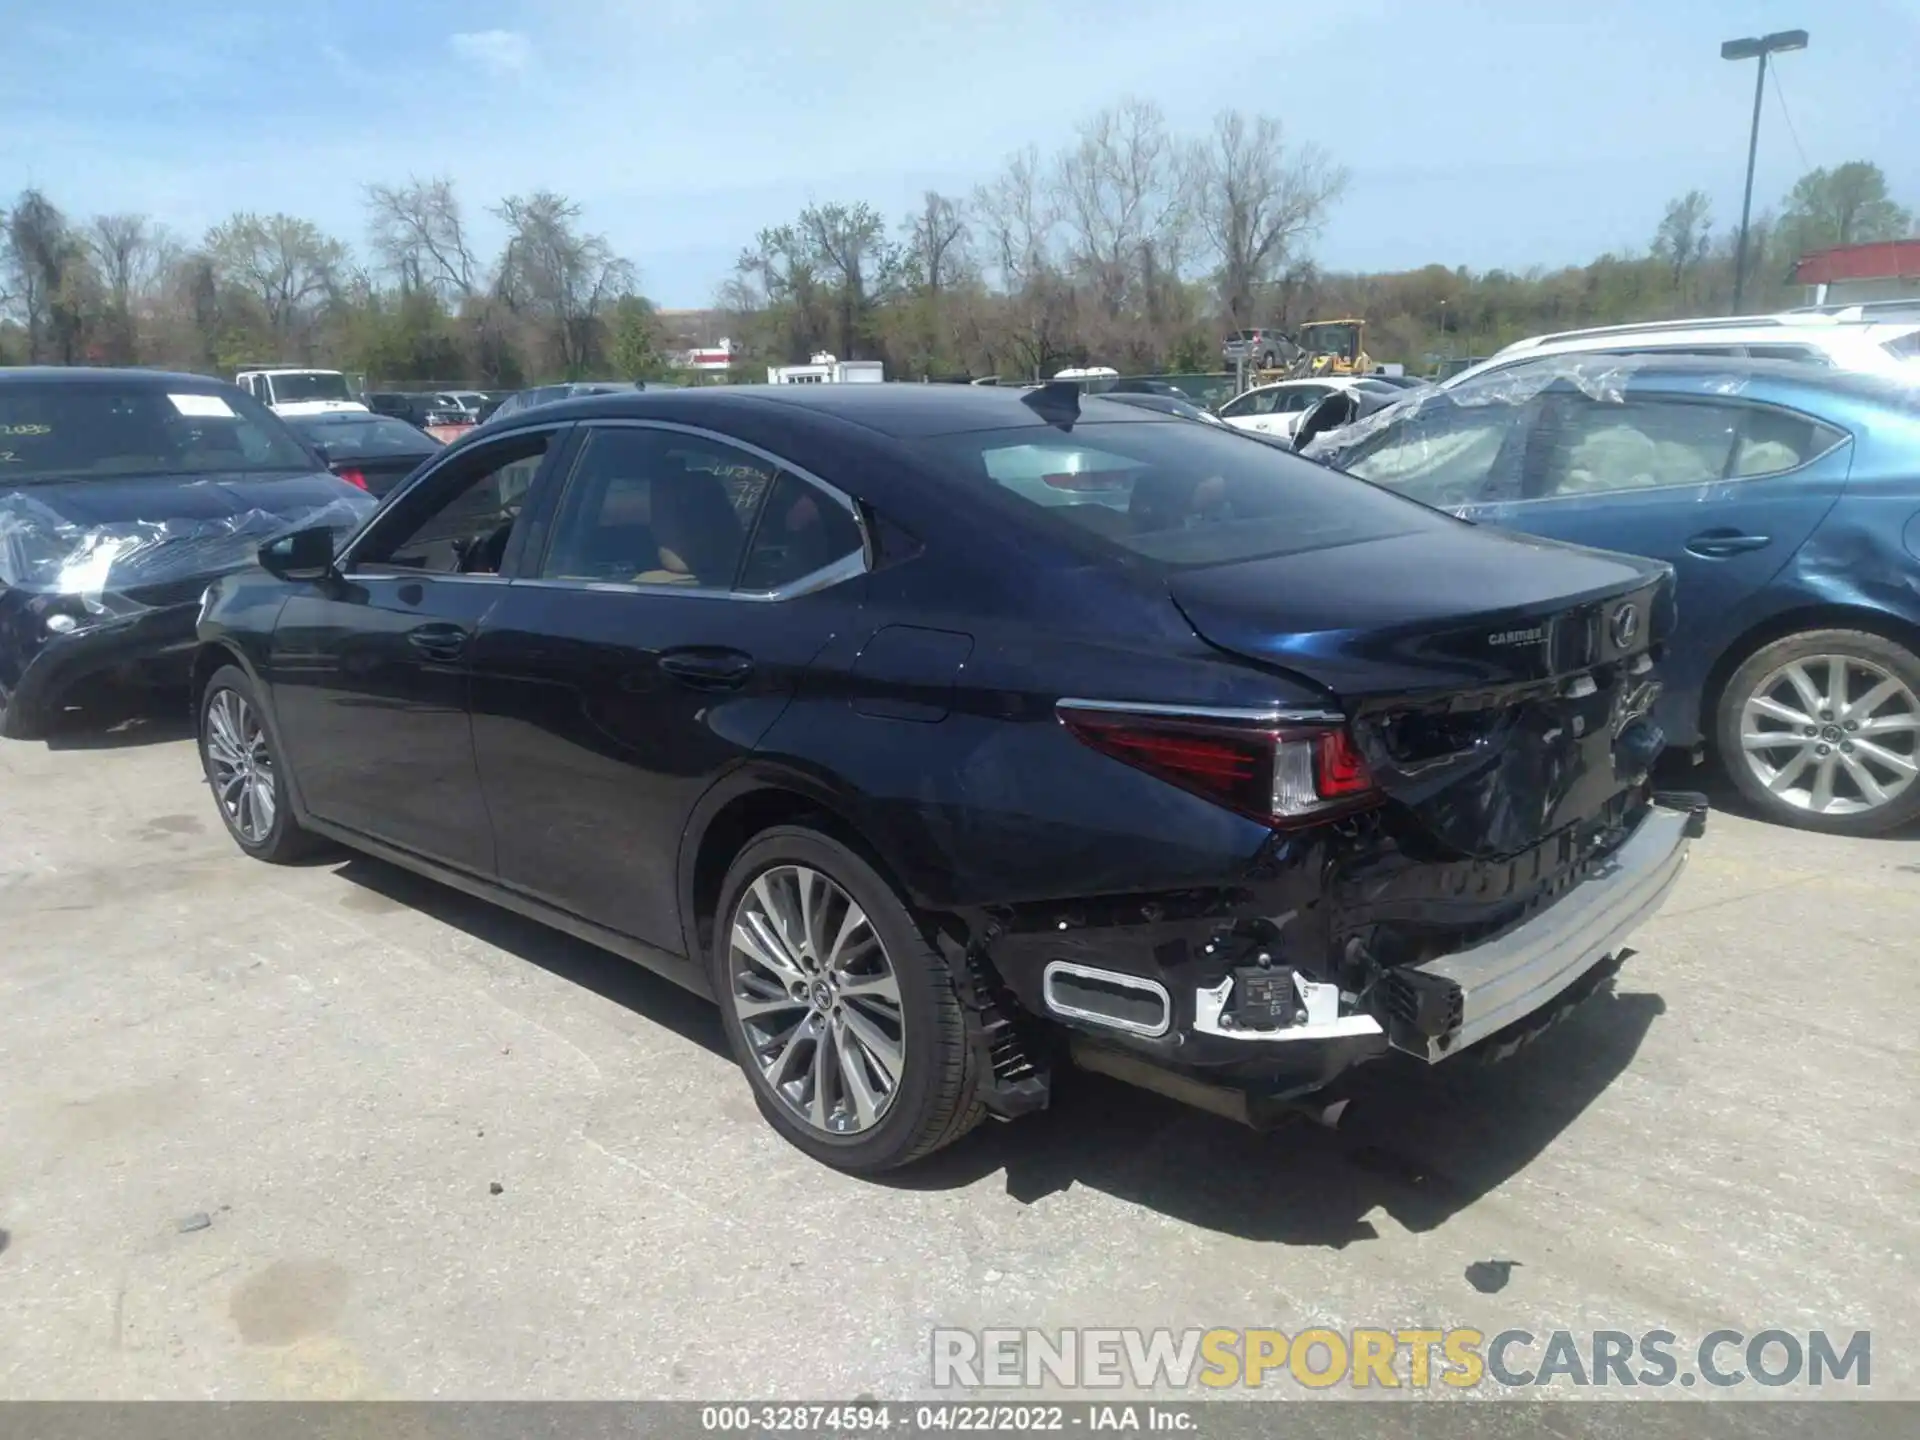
290, 390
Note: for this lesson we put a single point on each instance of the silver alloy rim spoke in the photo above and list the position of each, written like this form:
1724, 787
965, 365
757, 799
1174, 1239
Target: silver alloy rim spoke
1832, 734
241, 765
817, 998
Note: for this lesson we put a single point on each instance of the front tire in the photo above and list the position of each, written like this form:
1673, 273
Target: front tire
1821, 730
248, 780
843, 1016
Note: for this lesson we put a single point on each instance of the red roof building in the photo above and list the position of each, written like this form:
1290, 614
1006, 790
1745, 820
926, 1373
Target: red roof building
1883, 270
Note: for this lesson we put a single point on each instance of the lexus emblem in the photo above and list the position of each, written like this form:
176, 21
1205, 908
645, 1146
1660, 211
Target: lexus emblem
1625, 626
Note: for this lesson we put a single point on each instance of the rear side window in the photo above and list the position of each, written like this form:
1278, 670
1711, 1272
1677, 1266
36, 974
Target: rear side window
1585, 446
1799, 354
1904, 347
1173, 492
801, 531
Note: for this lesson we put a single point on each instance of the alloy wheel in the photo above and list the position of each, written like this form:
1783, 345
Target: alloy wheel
817, 999
1832, 734
240, 766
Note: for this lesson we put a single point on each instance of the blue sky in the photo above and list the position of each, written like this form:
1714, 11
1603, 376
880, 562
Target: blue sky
1478, 132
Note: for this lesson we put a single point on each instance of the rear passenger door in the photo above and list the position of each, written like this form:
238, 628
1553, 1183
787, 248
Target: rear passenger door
1723, 489
682, 584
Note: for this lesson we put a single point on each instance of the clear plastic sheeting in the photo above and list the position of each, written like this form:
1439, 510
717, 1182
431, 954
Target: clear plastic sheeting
1601, 378
108, 565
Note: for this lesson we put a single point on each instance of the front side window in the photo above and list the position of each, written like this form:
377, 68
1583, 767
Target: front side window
1254, 402
80, 430
461, 521
1441, 454
657, 507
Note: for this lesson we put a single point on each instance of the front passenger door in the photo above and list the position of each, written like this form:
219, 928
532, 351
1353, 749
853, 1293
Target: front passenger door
370, 670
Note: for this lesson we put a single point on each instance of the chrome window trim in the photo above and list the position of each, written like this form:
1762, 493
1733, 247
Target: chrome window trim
849, 566
1254, 716
1116, 979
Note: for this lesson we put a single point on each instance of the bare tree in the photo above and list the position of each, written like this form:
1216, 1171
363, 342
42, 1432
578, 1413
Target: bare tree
1017, 218
1259, 200
285, 264
418, 233
936, 242
554, 274
1124, 196
132, 254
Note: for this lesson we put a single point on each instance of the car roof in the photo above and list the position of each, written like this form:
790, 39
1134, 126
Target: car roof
106, 375
1703, 374
897, 409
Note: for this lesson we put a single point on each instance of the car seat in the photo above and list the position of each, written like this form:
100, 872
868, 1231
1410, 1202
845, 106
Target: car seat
697, 530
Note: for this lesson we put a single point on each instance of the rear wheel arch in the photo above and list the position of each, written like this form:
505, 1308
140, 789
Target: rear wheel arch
729, 824
1793, 622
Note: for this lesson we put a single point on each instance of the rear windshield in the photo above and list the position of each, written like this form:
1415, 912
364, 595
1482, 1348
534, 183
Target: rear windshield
67, 431
1905, 347
1177, 493
358, 439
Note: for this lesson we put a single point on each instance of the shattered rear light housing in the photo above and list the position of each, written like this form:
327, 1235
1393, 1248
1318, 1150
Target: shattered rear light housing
1279, 773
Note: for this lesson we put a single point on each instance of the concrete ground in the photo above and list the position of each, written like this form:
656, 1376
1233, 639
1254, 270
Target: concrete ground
339, 1065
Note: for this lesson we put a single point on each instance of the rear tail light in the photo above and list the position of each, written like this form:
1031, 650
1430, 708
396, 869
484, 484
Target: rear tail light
1280, 774
1094, 480
353, 477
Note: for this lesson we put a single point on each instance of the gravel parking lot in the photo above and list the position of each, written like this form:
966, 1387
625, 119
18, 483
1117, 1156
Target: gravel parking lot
443, 1152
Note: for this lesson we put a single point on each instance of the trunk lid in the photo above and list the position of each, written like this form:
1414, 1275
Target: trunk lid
1496, 684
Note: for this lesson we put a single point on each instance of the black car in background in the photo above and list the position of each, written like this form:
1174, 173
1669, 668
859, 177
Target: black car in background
123, 494
568, 390
938, 732
372, 452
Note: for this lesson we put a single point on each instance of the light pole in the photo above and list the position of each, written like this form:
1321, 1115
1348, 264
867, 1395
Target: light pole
1755, 47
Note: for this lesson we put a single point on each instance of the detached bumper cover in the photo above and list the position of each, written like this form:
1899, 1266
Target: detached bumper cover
1487, 987
42, 680
1507, 978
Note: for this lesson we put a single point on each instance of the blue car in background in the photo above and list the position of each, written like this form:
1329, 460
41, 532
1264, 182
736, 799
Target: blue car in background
1787, 499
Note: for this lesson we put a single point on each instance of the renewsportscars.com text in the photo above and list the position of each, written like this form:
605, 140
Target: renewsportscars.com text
1365, 1358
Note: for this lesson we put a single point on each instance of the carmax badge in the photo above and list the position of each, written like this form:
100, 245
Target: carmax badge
1517, 637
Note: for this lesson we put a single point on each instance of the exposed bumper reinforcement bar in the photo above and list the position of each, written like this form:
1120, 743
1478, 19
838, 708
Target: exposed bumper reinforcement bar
1510, 976
1492, 985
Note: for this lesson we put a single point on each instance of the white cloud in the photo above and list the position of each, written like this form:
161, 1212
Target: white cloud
498, 52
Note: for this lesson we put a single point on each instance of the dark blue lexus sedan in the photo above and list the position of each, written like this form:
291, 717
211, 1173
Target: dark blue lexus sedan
1787, 499
938, 732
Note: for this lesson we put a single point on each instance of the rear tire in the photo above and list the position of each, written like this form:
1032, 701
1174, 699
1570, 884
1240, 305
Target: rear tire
1813, 725
831, 992
247, 777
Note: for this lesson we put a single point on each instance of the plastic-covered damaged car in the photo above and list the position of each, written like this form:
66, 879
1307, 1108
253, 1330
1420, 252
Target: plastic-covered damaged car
941, 732
1787, 499
123, 495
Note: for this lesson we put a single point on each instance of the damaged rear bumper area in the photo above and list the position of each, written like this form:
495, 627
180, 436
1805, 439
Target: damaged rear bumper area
1201, 1027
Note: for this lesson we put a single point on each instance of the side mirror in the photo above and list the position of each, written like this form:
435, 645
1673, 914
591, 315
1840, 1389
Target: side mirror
303, 555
